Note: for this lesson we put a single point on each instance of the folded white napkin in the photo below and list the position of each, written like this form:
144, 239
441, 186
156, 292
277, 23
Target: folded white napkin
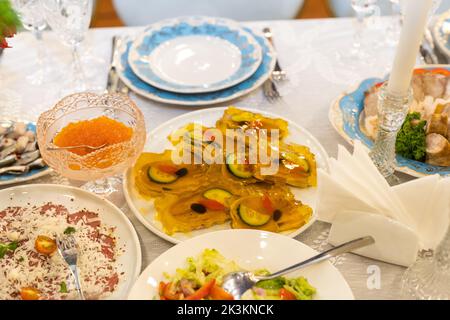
356, 198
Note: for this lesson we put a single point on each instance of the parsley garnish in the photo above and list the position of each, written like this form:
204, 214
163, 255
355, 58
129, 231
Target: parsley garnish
69, 230
4, 247
63, 287
411, 142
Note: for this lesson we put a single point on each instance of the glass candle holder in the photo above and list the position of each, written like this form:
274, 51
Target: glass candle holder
429, 277
392, 110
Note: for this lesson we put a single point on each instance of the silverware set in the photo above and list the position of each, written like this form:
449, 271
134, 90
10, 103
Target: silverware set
114, 84
270, 90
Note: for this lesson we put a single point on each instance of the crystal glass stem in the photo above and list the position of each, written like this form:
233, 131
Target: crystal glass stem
429, 277
392, 110
77, 70
357, 36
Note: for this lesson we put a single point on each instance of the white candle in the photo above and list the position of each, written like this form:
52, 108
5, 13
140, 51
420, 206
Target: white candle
416, 18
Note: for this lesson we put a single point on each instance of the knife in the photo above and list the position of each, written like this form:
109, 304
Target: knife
112, 83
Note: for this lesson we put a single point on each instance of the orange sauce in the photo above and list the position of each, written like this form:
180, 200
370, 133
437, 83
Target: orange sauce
95, 132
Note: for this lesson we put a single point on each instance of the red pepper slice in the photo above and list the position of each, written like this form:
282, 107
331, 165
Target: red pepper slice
203, 291
168, 168
169, 294
217, 293
212, 204
287, 295
267, 204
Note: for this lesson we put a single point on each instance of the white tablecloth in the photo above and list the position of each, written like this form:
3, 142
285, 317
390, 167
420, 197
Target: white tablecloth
307, 50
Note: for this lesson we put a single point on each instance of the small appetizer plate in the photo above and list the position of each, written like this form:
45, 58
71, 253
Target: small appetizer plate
251, 250
75, 199
157, 141
194, 54
34, 173
256, 79
345, 116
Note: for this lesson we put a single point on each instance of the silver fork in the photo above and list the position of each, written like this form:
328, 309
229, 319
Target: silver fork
278, 74
270, 91
67, 248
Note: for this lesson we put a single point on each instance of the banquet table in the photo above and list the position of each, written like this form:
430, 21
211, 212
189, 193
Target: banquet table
307, 50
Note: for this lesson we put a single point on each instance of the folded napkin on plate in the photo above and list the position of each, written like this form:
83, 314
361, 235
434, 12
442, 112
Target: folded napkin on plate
358, 201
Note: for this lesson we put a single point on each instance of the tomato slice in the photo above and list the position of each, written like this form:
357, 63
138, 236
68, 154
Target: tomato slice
203, 292
162, 286
287, 295
168, 168
29, 293
217, 293
169, 294
212, 204
267, 204
45, 245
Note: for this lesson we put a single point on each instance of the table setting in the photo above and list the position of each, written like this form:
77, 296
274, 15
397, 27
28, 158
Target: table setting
202, 158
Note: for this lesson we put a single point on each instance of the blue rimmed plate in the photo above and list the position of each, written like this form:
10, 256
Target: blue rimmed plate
7, 179
261, 74
345, 115
441, 33
194, 54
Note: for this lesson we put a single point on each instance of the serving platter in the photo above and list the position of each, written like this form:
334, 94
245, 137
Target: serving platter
345, 114
194, 54
148, 91
252, 250
8, 179
157, 142
75, 199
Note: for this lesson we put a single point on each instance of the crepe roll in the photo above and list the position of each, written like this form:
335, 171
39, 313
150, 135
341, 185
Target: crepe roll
371, 102
417, 86
434, 84
438, 150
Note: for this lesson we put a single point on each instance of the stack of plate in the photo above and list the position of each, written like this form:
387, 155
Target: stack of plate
195, 61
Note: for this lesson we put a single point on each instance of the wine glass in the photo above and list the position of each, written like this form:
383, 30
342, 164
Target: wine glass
33, 19
70, 20
363, 9
96, 166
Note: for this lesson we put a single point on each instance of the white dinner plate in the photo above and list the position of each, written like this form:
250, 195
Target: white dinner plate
251, 250
75, 199
157, 142
194, 54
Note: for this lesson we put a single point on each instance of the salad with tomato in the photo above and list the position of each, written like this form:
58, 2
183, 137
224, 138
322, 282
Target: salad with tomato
202, 278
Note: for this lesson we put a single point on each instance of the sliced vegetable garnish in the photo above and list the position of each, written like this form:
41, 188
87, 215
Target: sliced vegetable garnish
168, 168
158, 176
170, 292
197, 207
63, 287
242, 171
203, 291
252, 217
219, 195
217, 293
45, 245
287, 295
5, 247
267, 204
212, 204
29, 293
69, 230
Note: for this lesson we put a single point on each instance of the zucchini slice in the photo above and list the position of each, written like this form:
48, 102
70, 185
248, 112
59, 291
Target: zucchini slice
219, 195
252, 217
242, 171
296, 159
159, 176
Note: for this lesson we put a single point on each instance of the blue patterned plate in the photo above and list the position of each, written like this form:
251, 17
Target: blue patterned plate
345, 116
261, 74
194, 54
6, 179
441, 33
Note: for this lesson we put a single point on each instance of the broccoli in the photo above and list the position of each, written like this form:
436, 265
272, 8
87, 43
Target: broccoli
410, 141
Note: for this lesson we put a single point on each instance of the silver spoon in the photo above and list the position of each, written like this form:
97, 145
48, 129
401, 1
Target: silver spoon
236, 283
76, 147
